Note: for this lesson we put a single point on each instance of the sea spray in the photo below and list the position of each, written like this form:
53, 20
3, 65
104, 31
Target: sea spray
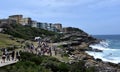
110, 50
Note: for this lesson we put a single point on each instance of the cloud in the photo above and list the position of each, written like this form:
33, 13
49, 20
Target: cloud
54, 8
64, 3
86, 14
56, 3
104, 3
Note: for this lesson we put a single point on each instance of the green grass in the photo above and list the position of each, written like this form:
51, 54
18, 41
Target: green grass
5, 41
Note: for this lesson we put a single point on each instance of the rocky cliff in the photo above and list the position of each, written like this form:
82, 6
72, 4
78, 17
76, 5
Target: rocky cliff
76, 42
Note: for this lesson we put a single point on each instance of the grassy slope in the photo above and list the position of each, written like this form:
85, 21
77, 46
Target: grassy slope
5, 41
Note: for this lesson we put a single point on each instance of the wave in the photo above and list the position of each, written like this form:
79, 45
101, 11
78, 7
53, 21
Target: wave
108, 54
103, 45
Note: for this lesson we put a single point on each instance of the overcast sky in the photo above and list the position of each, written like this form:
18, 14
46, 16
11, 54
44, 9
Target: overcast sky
93, 16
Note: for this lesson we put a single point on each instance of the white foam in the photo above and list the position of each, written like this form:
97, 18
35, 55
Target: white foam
96, 55
100, 47
108, 54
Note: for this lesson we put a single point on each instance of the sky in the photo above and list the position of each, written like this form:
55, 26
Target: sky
93, 16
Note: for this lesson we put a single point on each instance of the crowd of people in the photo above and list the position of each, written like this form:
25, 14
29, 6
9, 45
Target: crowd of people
9, 55
42, 48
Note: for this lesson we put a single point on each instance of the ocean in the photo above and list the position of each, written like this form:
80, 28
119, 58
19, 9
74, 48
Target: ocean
110, 47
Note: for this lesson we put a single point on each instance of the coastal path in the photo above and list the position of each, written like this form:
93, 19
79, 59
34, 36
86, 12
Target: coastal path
7, 62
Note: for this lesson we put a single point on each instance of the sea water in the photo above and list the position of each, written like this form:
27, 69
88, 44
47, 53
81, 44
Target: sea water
110, 47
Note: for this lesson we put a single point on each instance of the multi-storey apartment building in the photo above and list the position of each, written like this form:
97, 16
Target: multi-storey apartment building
7, 21
34, 24
17, 18
58, 26
26, 21
44, 26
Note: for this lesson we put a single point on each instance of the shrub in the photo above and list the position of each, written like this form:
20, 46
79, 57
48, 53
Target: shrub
63, 67
26, 32
33, 63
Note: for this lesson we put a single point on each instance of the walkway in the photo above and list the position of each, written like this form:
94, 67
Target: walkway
7, 63
12, 62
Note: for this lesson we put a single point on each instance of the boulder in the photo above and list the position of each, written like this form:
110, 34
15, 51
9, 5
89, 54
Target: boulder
97, 50
98, 60
90, 63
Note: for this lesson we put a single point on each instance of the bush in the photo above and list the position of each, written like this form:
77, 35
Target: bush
63, 67
26, 32
33, 63
78, 67
90, 69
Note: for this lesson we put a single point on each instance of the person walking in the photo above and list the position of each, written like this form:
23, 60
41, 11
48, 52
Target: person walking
3, 57
8, 56
13, 55
18, 55
32, 48
50, 51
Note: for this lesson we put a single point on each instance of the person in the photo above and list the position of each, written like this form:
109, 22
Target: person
39, 51
55, 51
50, 51
39, 42
42, 51
3, 57
32, 48
8, 56
18, 55
13, 55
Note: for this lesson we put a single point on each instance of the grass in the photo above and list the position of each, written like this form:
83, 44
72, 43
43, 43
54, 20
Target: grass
64, 58
5, 41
